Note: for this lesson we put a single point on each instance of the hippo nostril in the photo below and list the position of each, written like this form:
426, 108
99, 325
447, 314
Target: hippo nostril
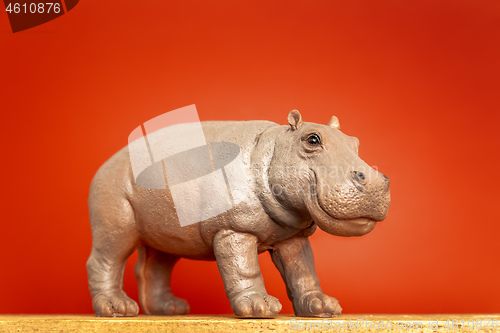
359, 176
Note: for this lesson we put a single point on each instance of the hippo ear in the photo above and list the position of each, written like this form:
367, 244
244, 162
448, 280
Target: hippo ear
334, 123
295, 119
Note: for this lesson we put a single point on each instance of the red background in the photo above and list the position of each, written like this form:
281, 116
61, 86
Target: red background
416, 81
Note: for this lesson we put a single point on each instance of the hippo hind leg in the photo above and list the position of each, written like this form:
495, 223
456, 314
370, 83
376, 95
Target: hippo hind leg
114, 239
153, 271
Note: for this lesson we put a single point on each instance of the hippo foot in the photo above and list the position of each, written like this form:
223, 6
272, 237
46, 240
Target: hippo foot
115, 304
168, 306
317, 304
252, 304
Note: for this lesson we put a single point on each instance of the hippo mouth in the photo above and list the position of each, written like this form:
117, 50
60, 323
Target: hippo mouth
328, 223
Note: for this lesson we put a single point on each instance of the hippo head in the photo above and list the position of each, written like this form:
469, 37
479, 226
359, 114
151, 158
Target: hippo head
316, 171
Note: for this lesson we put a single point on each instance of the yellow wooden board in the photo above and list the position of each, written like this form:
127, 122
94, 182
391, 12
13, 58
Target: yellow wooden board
345, 323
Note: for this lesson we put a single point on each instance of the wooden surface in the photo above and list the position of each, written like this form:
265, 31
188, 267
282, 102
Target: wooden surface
221, 324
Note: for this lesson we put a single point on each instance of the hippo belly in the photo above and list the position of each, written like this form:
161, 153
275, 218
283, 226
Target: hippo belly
159, 228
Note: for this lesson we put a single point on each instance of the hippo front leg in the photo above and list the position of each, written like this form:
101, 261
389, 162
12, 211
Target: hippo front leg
237, 259
294, 259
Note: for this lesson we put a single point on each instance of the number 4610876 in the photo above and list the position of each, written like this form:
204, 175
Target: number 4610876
34, 8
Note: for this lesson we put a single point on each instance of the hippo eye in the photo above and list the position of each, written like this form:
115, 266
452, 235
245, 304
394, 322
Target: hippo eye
313, 139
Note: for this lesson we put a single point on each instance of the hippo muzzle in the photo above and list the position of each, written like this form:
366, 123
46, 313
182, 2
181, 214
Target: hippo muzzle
352, 208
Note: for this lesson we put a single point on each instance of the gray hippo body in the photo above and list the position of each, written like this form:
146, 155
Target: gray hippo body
277, 215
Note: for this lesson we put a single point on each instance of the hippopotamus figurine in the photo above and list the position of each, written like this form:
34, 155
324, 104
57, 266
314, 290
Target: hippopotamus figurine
330, 187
